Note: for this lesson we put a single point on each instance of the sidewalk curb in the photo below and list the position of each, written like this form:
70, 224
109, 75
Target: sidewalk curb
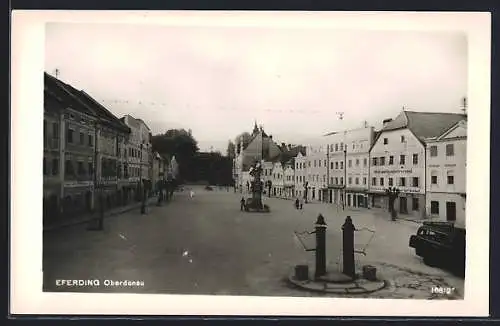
87, 220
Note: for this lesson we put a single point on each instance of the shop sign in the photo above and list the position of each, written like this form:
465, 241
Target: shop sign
392, 171
72, 184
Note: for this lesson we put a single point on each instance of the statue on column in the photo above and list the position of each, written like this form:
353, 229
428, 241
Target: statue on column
255, 202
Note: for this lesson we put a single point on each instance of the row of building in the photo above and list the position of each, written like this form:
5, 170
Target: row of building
422, 154
88, 150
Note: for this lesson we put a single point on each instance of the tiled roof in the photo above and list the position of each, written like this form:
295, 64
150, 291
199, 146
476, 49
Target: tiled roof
81, 101
424, 124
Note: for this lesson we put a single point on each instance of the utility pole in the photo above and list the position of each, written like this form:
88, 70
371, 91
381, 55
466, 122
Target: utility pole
341, 118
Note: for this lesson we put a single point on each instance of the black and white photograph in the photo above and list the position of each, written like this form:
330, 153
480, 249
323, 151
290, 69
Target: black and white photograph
271, 160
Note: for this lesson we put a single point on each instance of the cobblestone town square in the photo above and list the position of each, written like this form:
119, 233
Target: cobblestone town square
204, 244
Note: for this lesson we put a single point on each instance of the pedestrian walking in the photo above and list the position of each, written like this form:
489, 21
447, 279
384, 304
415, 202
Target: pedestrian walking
191, 193
297, 203
301, 203
242, 203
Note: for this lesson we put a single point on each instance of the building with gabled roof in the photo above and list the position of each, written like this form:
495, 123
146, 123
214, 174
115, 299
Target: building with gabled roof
398, 159
446, 174
261, 147
89, 140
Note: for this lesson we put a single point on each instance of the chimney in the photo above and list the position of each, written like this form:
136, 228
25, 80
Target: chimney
385, 122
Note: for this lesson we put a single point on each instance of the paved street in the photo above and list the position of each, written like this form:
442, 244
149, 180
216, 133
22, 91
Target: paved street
206, 245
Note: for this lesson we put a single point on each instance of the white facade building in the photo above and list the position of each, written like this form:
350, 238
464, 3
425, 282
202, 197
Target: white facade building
289, 179
446, 174
316, 171
278, 180
300, 174
348, 161
398, 159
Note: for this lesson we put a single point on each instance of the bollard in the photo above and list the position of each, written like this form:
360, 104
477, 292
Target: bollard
320, 230
348, 247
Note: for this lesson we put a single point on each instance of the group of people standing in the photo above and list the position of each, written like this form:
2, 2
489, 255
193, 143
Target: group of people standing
299, 203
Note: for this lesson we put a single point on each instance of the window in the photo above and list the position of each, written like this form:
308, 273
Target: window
353, 146
90, 168
82, 138
331, 180
450, 150
402, 139
374, 161
70, 136
81, 170
341, 165
391, 160
44, 166
55, 166
90, 140
382, 161
374, 181
55, 130
381, 181
364, 180
341, 146
357, 162
357, 181
434, 179
415, 182
341, 181
336, 147
415, 204
319, 163
415, 159
451, 179
402, 159
435, 207
365, 161
350, 180
391, 182
434, 150
326, 165
68, 168
336, 181
402, 182
336, 165
386, 141
350, 163
309, 163
331, 165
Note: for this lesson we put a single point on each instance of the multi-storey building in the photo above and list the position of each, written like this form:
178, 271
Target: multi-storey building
446, 174
398, 159
84, 157
278, 184
300, 174
289, 178
316, 171
261, 147
348, 163
139, 151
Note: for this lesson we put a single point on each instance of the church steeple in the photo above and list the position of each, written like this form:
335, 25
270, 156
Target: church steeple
255, 128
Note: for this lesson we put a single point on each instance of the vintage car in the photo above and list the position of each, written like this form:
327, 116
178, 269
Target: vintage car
441, 244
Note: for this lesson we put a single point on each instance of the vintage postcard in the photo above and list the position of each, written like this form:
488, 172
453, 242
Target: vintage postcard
250, 163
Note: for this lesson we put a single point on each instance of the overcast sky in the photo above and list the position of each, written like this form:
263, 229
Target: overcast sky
218, 80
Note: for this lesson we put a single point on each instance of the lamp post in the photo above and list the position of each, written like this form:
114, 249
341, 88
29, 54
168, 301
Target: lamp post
141, 185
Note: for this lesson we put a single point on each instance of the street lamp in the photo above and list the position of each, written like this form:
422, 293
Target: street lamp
141, 185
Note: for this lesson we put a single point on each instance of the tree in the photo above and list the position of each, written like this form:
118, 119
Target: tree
392, 194
231, 149
243, 140
180, 143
